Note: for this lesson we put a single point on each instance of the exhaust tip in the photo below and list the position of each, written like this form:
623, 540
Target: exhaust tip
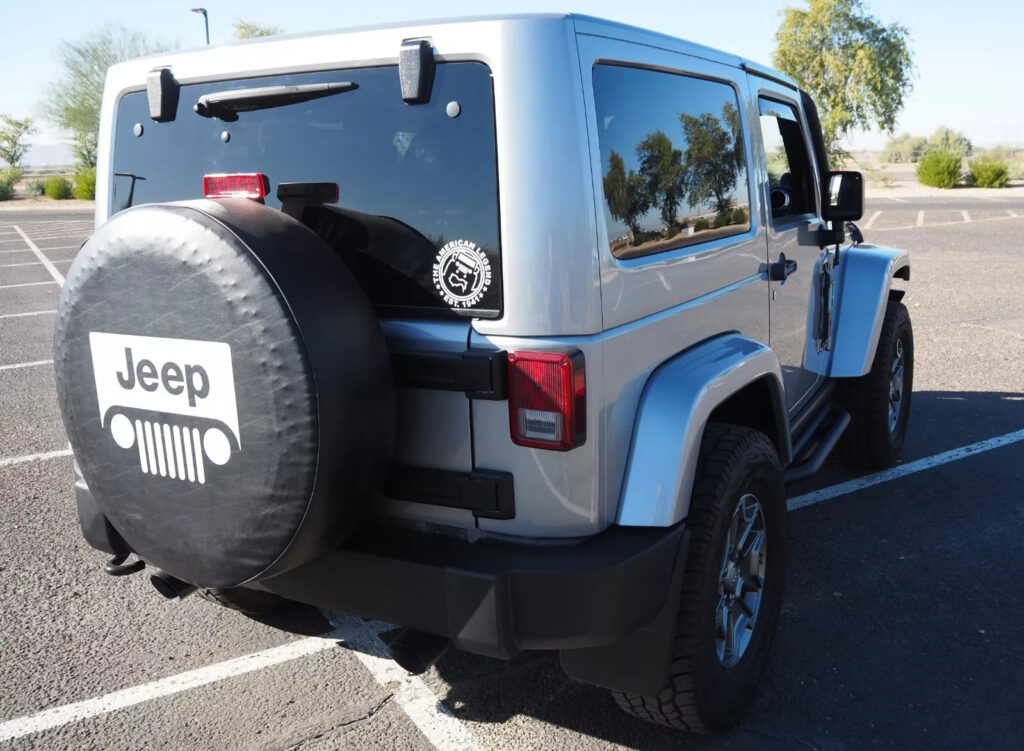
415, 651
171, 587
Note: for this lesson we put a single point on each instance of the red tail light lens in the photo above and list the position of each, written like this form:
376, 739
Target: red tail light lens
547, 403
243, 185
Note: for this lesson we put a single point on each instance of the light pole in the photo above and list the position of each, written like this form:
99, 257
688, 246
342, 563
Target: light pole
206, 20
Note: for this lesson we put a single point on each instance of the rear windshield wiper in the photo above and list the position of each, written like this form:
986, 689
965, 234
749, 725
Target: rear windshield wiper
227, 104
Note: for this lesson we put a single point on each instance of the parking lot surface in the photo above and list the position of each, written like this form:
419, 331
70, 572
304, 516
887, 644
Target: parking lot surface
901, 627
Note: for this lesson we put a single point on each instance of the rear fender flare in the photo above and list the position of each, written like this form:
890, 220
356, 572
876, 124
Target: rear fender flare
679, 397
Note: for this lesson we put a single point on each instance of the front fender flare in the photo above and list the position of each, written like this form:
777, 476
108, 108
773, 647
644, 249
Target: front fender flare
866, 274
674, 408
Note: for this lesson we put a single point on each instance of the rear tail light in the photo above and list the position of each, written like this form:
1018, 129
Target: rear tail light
239, 185
547, 403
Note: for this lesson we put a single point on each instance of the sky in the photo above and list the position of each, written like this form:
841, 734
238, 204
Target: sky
969, 74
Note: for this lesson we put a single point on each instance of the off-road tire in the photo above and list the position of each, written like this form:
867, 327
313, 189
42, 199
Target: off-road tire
868, 442
248, 601
704, 696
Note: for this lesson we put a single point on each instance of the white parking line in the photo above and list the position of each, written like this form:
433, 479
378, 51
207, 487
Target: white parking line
967, 217
57, 276
174, 684
410, 692
26, 263
10, 460
33, 313
24, 284
920, 218
860, 483
871, 221
33, 364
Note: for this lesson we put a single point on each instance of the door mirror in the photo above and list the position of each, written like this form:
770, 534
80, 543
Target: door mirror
844, 199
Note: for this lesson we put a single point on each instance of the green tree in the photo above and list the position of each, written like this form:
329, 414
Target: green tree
249, 30
710, 165
626, 193
904, 148
661, 166
73, 102
857, 70
950, 140
14, 135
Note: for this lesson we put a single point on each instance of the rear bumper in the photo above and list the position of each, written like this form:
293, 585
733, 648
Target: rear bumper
497, 598
609, 600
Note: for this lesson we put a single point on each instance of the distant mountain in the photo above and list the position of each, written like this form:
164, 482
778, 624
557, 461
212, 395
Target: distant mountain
48, 155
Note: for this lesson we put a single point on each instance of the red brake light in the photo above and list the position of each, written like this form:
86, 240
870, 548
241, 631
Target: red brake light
242, 185
547, 402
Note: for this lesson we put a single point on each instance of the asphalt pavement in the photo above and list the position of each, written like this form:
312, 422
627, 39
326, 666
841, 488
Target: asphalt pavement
901, 627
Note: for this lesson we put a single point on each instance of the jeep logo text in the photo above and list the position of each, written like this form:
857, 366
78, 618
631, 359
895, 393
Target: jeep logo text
191, 379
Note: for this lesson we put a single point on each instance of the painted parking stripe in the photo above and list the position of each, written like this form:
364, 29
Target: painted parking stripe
14, 265
33, 364
11, 460
32, 313
910, 468
967, 217
871, 221
410, 692
920, 218
24, 284
57, 276
174, 684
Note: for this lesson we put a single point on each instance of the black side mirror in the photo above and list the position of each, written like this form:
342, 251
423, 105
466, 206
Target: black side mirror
844, 199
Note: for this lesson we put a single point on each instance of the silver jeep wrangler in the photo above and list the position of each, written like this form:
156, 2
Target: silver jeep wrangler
509, 331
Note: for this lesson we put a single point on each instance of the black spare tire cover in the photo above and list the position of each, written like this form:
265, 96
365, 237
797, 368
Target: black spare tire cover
225, 388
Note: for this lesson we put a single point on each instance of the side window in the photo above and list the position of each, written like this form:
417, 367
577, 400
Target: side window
790, 175
672, 160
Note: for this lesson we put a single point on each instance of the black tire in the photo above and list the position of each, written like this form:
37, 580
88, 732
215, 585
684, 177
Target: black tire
248, 601
871, 442
704, 695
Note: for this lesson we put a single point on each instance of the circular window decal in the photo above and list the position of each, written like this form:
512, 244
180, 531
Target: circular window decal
462, 273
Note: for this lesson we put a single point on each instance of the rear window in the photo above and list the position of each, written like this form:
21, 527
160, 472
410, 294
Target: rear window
417, 217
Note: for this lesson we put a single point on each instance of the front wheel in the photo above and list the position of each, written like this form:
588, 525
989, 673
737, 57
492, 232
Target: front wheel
879, 402
732, 588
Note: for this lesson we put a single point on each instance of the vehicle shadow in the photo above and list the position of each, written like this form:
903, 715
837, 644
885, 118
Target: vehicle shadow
896, 628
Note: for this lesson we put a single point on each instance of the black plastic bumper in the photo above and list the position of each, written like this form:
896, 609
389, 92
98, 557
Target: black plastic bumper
608, 602
497, 598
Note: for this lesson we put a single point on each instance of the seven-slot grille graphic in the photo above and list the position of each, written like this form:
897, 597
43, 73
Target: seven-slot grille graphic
170, 450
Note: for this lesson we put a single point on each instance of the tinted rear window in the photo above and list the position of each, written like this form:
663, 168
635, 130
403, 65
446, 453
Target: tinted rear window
417, 185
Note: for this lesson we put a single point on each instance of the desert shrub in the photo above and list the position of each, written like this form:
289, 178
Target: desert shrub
36, 188
85, 184
989, 171
6, 192
57, 187
701, 224
739, 216
721, 219
939, 168
10, 175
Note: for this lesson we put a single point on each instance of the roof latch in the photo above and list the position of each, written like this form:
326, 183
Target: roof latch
162, 92
416, 70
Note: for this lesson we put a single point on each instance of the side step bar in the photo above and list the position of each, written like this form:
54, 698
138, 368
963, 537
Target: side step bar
816, 443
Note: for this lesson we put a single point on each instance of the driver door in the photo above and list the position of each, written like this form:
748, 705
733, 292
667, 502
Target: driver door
796, 262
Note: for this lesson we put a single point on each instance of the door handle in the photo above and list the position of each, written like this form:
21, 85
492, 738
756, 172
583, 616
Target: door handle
781, 269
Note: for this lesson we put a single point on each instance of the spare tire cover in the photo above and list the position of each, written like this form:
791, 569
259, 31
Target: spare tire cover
225, 388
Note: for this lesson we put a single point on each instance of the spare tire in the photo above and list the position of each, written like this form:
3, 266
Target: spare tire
225, 387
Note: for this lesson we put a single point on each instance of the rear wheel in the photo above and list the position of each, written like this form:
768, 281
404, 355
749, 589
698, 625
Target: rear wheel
879, 402
732, 589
